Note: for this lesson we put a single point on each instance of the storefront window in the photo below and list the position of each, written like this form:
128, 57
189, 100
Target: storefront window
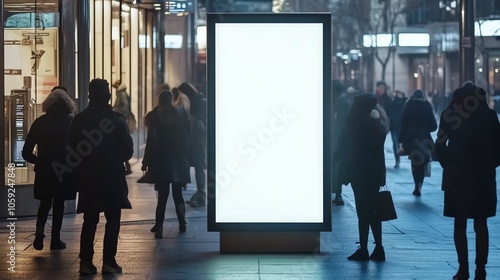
31, 70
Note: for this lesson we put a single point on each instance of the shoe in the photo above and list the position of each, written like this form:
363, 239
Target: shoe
462, 273
153, 229
38, 243
57, 245
396, 166
182, 228
378, 254
87, 268
159, 233
416, 193
359, 255
338, 201
195, 203
480, 274
111, 268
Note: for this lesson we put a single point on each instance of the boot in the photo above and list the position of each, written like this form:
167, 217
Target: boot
338, 200
38, 243
378, 254
360, 255
396, 166
480, 273
462, 273
55, 242
418, 187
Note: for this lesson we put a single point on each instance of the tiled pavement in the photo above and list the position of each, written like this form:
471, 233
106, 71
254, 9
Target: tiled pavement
419, 244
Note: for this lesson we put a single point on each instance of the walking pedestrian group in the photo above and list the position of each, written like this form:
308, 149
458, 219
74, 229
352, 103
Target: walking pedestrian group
88, 154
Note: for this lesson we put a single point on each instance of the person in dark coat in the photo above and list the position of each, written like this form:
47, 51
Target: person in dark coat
341, 107
395, 114
50, 134
197, 141
165, 157
122, 105
100, 144
361, 155
468, 149
415, 139
383, 98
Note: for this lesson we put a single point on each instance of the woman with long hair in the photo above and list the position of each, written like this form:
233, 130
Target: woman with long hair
165, 156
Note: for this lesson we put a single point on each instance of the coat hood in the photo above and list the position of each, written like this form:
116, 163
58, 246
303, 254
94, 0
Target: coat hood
58, 100
363, 104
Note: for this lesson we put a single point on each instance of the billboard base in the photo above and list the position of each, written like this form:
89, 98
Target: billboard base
269, 242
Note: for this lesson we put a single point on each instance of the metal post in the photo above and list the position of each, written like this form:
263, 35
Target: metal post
466, 31
83, 53
67, 58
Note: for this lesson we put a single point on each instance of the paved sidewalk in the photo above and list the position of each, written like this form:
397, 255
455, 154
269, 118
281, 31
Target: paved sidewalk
419, 244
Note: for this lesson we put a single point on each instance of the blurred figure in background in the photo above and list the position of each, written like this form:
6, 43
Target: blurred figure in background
415, 139
122, 105
197, 141
395, 115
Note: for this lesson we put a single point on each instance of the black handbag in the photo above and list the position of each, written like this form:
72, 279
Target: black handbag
146, 178
384, 206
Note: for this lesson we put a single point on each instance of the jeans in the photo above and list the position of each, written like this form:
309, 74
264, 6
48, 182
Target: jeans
111, 232
395, 143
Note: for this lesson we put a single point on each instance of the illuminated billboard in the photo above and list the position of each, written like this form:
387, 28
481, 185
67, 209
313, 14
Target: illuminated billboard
269, 122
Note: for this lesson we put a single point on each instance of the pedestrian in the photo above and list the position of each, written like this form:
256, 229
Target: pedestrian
100, 143
467, 149
341, 107
383, 98
122, 105
415, 139
165, 157
395, 114
49, 133
197, 141
361, 155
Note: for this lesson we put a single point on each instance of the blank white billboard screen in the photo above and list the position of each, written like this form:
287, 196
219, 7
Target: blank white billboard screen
269, 122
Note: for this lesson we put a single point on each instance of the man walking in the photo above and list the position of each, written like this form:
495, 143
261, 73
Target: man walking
100, 143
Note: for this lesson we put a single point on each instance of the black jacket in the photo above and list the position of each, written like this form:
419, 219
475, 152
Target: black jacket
100, 144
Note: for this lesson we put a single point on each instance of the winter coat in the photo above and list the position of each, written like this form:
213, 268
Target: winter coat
165, 154
361, 147
100, 145
468, 150
50, 133
198, 125
417, 123
395, 113
122, 102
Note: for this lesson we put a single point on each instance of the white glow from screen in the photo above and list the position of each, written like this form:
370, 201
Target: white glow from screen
269, 122
487, 28
414, 39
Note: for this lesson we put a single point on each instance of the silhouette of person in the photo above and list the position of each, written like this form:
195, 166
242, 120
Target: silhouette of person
165, 157
197, 141
101, 143
122, 105
467, 149
50, 134
361, 155
395, 113
415, 139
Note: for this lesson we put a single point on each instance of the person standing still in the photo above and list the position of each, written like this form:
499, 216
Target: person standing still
197, 141
361, 155
415, 139
101, 143
122, 106
50, 133
468, 150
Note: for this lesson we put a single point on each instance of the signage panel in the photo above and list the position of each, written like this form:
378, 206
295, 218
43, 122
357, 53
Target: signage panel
269, 122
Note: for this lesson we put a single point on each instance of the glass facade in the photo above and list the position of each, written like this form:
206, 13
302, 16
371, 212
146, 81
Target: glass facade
45, 44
